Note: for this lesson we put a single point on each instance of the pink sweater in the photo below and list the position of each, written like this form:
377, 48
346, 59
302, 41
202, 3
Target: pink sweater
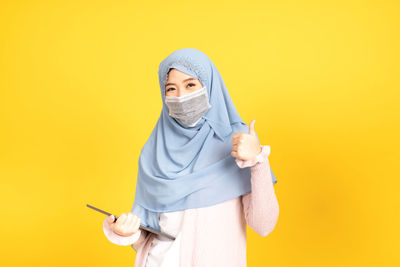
216, 235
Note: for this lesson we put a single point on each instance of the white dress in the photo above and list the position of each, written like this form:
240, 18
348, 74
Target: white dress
164, 252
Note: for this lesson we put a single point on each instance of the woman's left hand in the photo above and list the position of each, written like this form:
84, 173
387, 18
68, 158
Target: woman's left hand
245, 146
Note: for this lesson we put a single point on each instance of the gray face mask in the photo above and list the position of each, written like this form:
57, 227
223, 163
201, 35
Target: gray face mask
190, 108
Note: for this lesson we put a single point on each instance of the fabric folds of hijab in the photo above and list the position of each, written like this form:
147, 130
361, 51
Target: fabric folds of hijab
184, 167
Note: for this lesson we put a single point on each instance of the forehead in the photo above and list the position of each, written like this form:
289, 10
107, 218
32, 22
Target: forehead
177, 74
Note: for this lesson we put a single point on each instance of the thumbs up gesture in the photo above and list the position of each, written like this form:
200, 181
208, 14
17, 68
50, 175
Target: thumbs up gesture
245, 146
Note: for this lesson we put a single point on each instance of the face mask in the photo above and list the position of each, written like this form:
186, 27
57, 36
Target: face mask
190, 108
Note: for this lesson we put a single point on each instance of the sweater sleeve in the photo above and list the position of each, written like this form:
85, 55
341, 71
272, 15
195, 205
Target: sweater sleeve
260, 206
135, 240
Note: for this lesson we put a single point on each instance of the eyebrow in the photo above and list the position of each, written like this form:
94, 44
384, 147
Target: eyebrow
188, 79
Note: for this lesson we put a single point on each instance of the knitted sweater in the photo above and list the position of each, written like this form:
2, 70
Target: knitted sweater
214, 235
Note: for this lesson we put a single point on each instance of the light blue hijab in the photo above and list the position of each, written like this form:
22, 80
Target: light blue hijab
184, 167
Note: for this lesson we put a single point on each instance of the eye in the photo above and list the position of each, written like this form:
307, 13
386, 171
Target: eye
172, 88
193, 84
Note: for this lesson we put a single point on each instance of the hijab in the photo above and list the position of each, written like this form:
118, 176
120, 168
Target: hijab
184, 167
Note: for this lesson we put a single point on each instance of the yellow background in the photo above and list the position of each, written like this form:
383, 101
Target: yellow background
80, 96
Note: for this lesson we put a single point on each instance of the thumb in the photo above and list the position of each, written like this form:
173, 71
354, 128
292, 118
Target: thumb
110, 219
251, 127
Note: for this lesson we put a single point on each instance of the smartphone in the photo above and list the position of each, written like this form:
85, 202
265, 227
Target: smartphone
140, 227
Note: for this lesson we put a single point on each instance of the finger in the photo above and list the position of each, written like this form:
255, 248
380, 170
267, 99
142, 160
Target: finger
234, 154
121, 220
233, 138
138, 219
133, 225
110, 219
129, 219
238, 140
235, 135
238, 135
137, 225
123, 226
133, 217
235, 147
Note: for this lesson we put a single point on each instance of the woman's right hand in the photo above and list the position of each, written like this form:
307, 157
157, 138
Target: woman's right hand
126, 225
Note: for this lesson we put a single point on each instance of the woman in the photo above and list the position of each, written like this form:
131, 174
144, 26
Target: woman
203, 175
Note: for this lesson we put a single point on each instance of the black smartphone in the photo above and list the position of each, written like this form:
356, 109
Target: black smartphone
140, 227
